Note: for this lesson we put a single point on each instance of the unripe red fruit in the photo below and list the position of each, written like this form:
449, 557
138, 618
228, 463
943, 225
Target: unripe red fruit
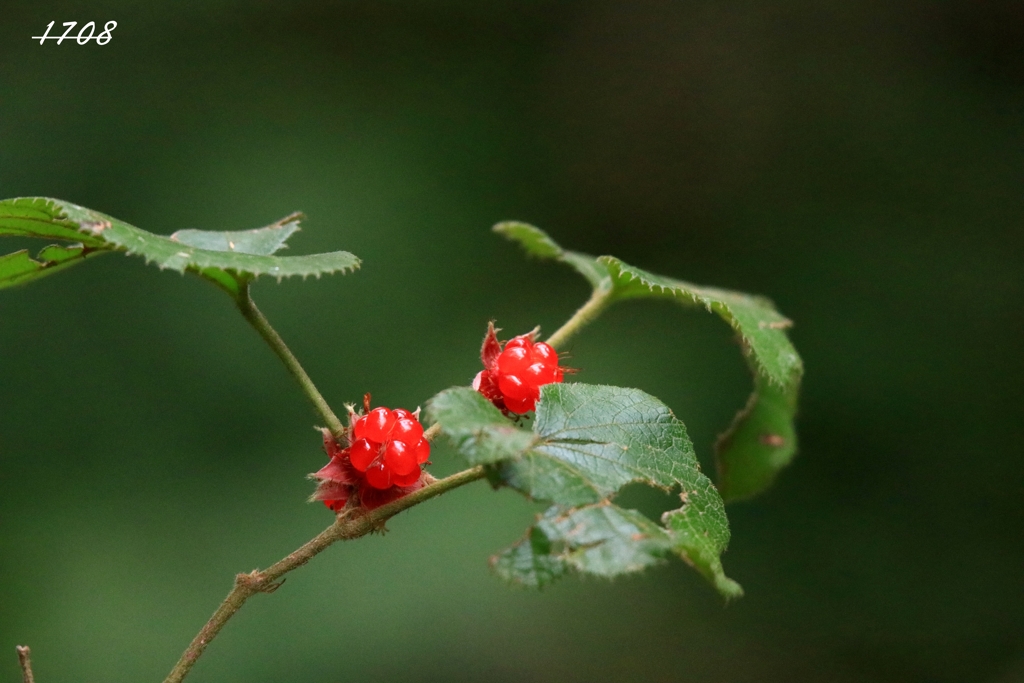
390, 446
362, 453
378, 475
545, 353
400, 458
406, 480
515, 388
514, 360
520, 342
407, 430
381, 463
379, 423
512, 377
422, 451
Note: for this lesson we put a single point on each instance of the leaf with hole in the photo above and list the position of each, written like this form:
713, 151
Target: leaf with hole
604, 540
586, 443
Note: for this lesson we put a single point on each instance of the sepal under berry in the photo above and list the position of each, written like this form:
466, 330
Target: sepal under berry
491, 348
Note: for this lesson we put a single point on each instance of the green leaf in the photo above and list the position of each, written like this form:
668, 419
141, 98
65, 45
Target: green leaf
604, 540
480, 432
587, 442
761, 440
37, 217
19, 268
229, 259
759, 326
537, 243
532, 561
259, 242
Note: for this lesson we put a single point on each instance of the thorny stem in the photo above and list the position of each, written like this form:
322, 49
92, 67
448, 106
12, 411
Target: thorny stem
597, 302
25, 659
346, 527
256, 318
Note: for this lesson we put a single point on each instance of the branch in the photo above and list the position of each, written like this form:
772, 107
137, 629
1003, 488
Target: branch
267, 581
256, 318
25, 659
587, 313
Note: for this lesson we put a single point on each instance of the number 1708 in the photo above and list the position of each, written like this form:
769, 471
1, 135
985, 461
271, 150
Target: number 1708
102, 39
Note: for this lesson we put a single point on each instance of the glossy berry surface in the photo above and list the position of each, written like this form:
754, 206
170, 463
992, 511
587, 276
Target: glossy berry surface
382, 462
387, 447
512, 377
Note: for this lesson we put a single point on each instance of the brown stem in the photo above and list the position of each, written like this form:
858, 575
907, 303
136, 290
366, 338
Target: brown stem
345, 527
25, 659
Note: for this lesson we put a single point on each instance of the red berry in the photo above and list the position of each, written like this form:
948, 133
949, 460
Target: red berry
362, 453
378, 475
407, 479
520, 407
401, 413
539, 374
520, 342
374, 482
513, 387
359, 428
399, 458
512, 377
513, 361
422, 451
544, 353
379, 423
407, 430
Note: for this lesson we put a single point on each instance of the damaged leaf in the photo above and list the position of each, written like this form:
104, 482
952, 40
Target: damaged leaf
587, 442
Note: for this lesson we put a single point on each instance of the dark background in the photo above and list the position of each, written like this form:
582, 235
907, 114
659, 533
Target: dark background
859, 162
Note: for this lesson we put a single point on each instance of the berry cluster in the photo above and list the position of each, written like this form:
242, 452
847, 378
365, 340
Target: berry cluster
382, 462
389, 447
512, 377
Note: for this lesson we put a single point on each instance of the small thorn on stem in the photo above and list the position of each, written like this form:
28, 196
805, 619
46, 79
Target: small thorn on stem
25, 659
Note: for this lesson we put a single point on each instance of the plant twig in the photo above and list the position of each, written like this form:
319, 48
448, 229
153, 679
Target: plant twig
346, 527
597, 302
256, 318
25, 659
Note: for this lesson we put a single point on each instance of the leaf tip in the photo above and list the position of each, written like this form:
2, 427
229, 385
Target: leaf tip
532, 239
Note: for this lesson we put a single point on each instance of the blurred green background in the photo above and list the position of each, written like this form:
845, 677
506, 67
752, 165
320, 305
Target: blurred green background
859, 162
